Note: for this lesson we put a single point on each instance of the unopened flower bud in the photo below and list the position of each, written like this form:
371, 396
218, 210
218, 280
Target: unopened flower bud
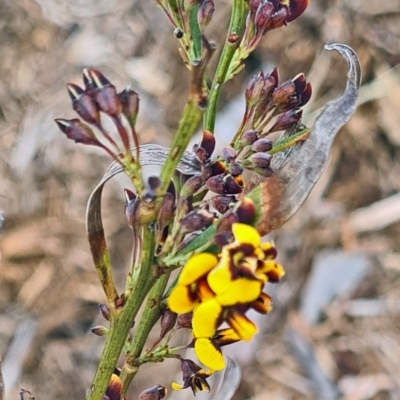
205, 13
279, 18
191, 186
167, 210
262, 160
233, 184
287, 120
185, 320
254, 88
197, 220
235, 168
228, 154
99, 330
131, 210
306, 95
262, 145
103, 92
207, 142
114, 388
296, 8
83, 104
248, 138
262, 18
129, 105
300, 83
201, 154
217, 168
167, 321
246, 211
77, 131
216, 184
222, 203
156, 392
104, 311
226, 221
283, 92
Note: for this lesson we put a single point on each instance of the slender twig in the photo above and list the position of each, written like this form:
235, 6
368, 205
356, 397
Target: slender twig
231, 43
121, 322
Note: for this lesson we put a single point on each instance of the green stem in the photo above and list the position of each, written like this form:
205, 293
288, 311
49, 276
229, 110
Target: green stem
150, 315
235, 28
121, 323
187, 126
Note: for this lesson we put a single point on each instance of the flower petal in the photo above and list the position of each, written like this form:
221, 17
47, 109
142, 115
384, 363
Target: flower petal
197, 266
177, 386
242, 325
263, 304
240, 291
206, 319
209, 354
226, 336
181, 300
246, 234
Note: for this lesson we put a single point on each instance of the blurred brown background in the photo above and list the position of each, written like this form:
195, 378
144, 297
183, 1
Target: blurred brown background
335, 329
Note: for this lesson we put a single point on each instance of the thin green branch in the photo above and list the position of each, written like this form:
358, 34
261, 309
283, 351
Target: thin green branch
121, 323
151, 313
231, 42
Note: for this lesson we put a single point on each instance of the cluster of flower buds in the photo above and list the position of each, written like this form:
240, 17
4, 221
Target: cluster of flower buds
272, 107
220, 289
189, 19
264, 16
114, 390
100, 96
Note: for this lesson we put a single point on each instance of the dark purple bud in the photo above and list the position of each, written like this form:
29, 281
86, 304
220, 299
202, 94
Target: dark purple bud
156, 392
191, 186
154, 182
197, 220
306, 95
226, 221
216, 184
287, 120
83, 104
205, 13
254, 88
189, 368
248, 138
262, 160
228, 154
99, 330
104, 311
167, 321
217, 168
207, 142
201, 154
262, 18
129, 104
300, 83
185, 320
279, 18
221, 239
167, 210
103, 92
262, 145
222, 203
188, 239
77, 131
246, 211
233, 185
283, 92
129, 195
235, 168
297, 8
131, 212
